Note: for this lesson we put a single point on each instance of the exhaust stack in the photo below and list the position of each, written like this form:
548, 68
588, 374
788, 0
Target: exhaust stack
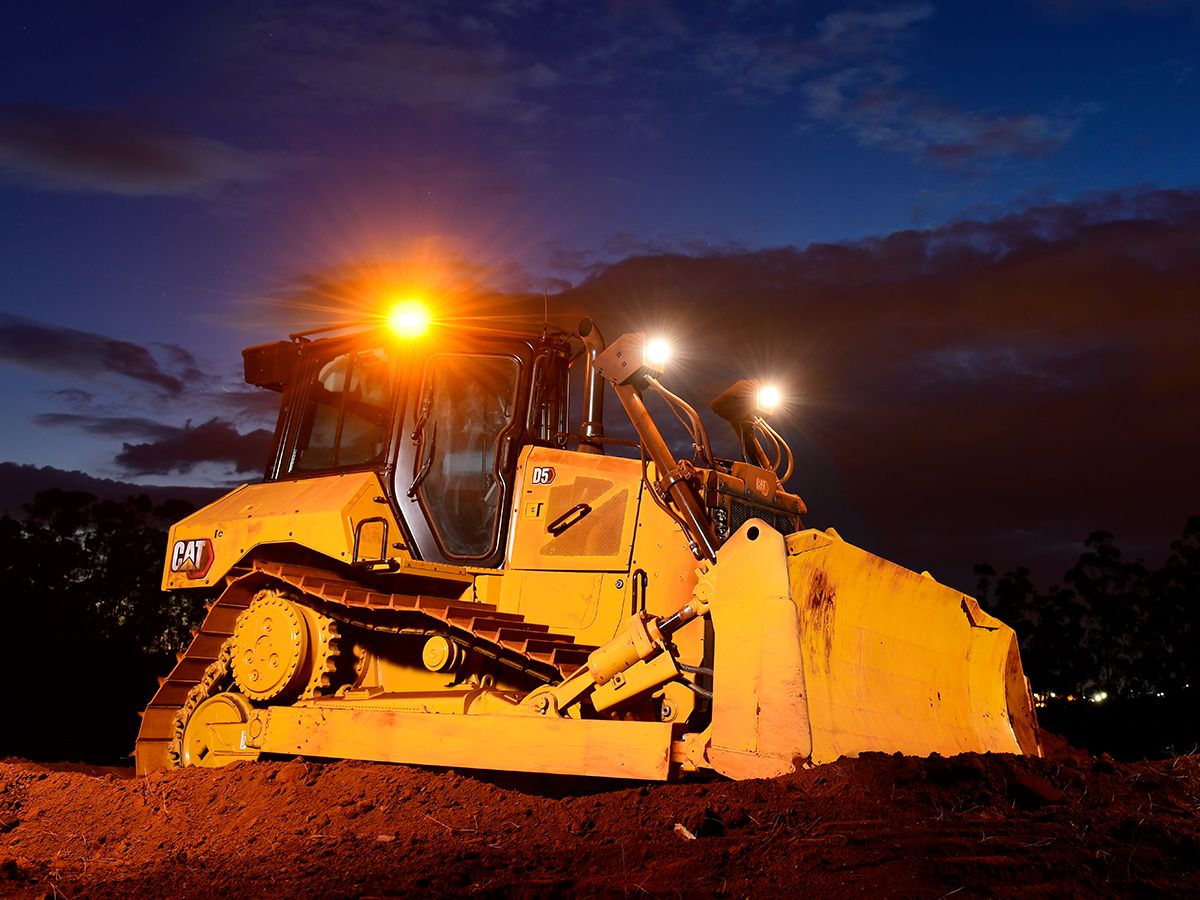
593, 388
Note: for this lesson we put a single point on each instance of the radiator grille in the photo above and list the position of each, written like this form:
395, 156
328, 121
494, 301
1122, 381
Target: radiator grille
734, 513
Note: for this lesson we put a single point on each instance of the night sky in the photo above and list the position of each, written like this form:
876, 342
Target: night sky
965, 237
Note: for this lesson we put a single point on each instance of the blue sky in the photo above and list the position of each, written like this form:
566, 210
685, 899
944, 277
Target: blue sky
168, 173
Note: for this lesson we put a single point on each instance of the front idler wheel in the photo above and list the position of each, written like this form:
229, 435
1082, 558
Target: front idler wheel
215, 734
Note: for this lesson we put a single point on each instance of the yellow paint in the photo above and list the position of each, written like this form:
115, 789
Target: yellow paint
318, 513
581, 581
216, 732
638, 679
601, 539
819, 649
660, 551
596, 747
394, 663
760, 717
568, 586
896, 662
588, 605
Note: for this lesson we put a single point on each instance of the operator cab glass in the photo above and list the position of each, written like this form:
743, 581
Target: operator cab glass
346, 419
466, 416
442, 423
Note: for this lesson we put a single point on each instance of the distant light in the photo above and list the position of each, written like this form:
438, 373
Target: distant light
656, 353
410, 319
1099, 697
769, 398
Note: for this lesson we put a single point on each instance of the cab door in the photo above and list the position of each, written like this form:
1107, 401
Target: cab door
455, 468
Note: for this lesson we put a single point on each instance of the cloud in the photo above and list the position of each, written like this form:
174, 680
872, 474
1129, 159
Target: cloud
760, 59
870, 106
183, 449
865, 91
750, 65
1069, 366
483, 81
107, 151
233, 438
253, 406
107, 426
76, 397
425, 57
54, 349
151, 447
637, 70
860, 32
850, 74
181, 360
1033, 374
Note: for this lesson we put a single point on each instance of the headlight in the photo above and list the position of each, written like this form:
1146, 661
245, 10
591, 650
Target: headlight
769, 398
409, 320
657, 353
632, 357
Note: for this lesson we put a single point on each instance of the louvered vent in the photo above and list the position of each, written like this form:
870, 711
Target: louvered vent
598, 533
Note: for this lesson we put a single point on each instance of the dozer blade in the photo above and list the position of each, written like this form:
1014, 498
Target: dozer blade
823, 650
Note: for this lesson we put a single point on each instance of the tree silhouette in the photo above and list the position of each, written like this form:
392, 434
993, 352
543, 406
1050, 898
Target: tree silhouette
89, 628
1176, 614
1116, 626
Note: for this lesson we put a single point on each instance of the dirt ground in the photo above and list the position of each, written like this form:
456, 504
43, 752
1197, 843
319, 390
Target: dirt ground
881, 826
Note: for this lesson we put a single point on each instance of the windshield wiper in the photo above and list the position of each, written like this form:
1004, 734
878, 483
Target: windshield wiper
424, 466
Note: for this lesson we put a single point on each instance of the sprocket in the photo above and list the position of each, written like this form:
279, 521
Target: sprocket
282, 648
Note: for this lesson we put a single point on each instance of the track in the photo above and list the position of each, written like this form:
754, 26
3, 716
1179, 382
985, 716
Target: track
505, 637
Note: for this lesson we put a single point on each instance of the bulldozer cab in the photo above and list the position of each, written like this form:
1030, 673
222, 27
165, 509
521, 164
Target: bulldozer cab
442, 426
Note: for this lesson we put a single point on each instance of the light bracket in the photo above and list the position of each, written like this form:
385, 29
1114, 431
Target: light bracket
630, 358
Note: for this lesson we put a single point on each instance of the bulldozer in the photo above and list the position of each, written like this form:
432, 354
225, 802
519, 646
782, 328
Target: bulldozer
447, 566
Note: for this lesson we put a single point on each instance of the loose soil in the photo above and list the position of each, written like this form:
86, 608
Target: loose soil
1069, 825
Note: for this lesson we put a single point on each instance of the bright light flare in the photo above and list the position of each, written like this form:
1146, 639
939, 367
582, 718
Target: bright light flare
409, 320
769, 398
657, 353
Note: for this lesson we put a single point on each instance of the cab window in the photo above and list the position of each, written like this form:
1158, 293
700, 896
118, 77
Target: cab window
465, 413
345, 422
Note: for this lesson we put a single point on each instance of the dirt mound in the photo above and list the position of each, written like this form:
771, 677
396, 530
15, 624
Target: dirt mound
879, 825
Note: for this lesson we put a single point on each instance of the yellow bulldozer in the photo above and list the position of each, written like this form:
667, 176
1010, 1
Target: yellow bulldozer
444, 566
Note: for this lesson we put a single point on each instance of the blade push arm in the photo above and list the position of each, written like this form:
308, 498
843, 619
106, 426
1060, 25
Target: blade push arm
636, 661
759, 723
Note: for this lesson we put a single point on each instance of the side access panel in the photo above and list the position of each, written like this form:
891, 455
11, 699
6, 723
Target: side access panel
572, 531
573, 512
334, 515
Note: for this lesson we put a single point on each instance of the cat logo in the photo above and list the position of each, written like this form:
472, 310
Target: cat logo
543, 474
194, 558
